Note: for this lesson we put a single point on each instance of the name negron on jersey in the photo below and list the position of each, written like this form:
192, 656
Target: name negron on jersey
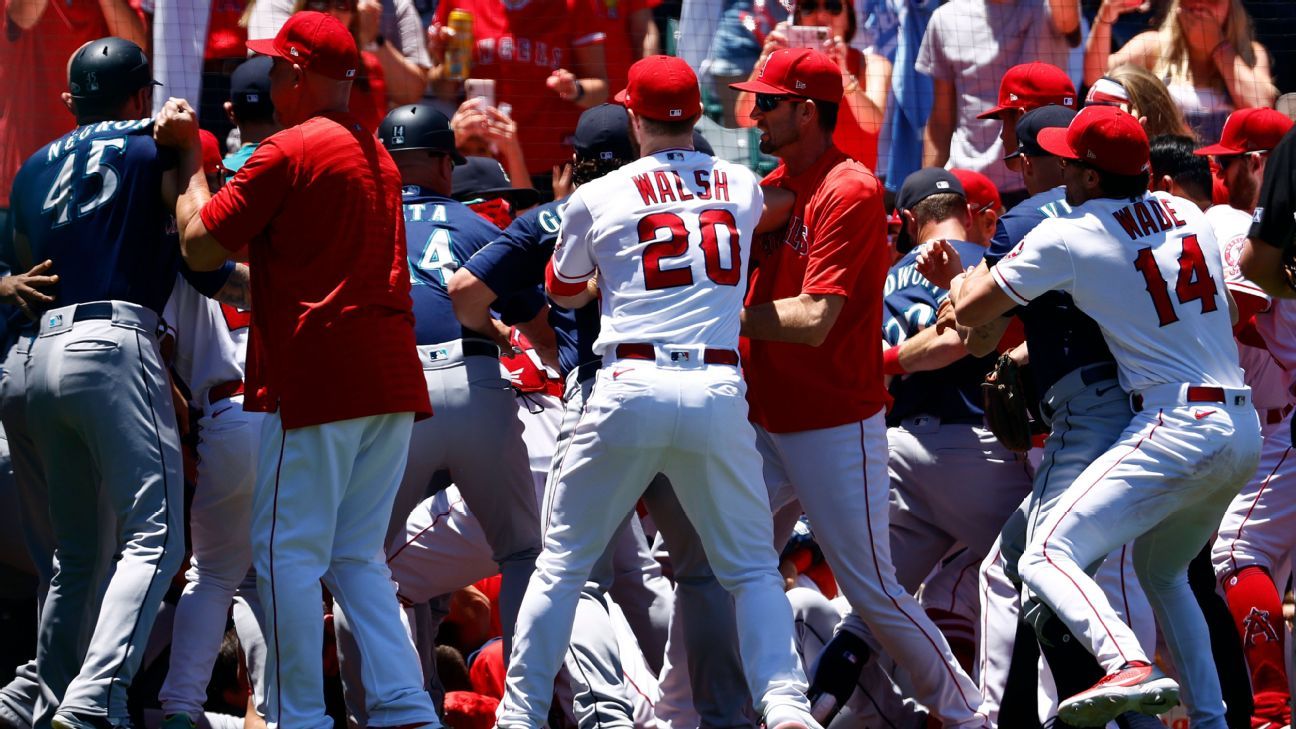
662, 191
1147, 217
56, 149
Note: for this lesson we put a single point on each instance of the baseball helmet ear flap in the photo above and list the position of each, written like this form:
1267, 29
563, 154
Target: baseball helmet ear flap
418, 126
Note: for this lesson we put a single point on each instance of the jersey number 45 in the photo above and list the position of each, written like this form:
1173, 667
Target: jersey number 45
722, 272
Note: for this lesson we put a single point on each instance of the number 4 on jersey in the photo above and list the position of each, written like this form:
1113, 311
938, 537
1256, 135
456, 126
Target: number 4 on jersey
1194, 282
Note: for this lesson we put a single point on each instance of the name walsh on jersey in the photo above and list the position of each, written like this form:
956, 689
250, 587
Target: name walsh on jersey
662, 186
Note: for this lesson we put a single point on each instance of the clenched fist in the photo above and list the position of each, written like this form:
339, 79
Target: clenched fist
176, 125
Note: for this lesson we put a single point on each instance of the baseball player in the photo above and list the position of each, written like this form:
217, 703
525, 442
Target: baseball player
476, 435
1253, 548
516, 262
326, 286
1274, 224
98, 394
984, 204
1193, 440
812, 361
667, 237
249, 108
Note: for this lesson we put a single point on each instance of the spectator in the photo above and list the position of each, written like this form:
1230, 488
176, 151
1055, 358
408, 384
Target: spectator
547, 59
1204, 51
392, 32
866, 78
969, 46
40, 36
369, 100
1134, 89
732, 32
631, 35
486, 131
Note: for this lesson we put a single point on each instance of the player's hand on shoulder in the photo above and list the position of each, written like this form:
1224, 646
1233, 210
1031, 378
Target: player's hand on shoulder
23, 289
176, 125
939, 262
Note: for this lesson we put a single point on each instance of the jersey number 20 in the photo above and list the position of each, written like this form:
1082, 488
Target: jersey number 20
709, 221
1194, 282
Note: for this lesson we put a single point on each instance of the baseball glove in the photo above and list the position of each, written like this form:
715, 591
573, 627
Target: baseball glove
1005, 405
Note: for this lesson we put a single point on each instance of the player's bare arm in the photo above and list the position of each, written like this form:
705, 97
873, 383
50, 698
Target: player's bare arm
23, 289
804, 319
177, 126
472, 299
1262, 263
777, 209
237, 291
980, 300
930, 349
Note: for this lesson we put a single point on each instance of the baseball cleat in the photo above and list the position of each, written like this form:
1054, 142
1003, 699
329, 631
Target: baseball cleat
1136, 687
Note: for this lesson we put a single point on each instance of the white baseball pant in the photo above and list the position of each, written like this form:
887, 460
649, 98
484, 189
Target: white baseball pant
840, 477
1256, 528
1164, 485
690, 421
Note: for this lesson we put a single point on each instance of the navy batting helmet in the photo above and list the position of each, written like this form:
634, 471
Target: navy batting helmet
108, 69
418, 126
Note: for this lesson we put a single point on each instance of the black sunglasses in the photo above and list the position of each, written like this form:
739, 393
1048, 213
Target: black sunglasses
832, 6
770, 102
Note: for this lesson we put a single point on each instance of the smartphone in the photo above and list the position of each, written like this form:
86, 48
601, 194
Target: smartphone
807, 36
480, 87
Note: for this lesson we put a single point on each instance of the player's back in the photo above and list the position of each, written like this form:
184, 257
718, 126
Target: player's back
670, 235
1149, 271
91, 201
441, 234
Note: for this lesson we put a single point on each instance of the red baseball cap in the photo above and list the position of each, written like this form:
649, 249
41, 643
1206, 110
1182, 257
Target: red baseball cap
1031, 85
1103, 137
980, 191
662, 88
317, 42
800, 72
212, 161
1257, 129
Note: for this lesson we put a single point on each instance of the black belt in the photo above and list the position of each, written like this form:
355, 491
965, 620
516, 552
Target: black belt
478, 348
1095, 373
93, 310
588, 370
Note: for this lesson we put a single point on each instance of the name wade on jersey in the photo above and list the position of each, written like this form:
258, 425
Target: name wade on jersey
1147, 217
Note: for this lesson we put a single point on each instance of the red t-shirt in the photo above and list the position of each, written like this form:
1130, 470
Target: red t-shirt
834, 243
225, 37
319, 207
519, 43
859, 143
614, 21
33, 74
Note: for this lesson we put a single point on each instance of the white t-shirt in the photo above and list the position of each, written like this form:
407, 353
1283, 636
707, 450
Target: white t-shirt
669, 236
1149, 272
972, 44
211, 347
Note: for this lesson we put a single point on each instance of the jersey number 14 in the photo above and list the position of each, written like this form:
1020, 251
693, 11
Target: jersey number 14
1194, 282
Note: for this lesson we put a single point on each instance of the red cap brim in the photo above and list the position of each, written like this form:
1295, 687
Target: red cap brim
1054, 141
265, 47
1219, 149
760, 87
621, 97
994, 113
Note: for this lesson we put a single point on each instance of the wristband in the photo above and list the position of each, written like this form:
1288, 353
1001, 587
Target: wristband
891, 362
580, 92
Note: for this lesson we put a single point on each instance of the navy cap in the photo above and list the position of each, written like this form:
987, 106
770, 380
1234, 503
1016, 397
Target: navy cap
481, 178
603, 132
701, 144
108, 69
250, 85
919, 186
1029, 126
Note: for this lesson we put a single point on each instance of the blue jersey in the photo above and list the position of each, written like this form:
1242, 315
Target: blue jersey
91, 201
909, 305
440, 234
515, 264
1060, 337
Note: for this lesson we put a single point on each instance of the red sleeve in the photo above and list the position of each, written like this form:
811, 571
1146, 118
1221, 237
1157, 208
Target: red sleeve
849, 226
442, 16
244, 208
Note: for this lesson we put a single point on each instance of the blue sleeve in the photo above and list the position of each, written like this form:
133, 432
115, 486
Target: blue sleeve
515, 261
520, 307
207, 283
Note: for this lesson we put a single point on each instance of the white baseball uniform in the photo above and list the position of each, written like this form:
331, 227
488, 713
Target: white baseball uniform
669, 399
211, 348
1193, 440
